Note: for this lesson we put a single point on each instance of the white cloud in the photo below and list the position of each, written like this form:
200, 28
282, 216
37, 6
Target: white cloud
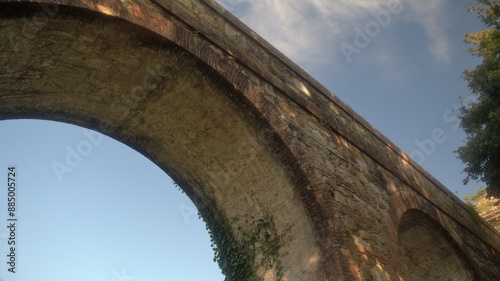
430, 14
310, 31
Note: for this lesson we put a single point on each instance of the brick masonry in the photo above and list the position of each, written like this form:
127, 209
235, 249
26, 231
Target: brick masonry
237, 123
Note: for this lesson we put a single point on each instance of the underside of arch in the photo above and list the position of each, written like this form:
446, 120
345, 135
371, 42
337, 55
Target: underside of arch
106, 74
427, 252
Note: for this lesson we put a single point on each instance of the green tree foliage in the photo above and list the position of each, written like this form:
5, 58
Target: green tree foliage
481, 119
473, 200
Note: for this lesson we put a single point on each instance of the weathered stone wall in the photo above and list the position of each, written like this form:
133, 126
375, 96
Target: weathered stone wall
428, 253
248, 135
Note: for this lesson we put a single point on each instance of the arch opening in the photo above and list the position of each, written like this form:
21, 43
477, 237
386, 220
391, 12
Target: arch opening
427, 251
109, 75
91, 208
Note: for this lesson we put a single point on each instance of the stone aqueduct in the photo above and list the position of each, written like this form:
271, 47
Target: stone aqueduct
293, 184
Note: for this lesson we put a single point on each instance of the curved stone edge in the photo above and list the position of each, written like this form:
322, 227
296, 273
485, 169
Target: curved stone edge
84, 115
199, 32
314, 99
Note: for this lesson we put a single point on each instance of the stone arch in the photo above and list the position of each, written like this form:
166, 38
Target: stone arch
82, 67
428, 252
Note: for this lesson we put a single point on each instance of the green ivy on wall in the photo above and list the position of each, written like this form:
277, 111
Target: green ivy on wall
259, 246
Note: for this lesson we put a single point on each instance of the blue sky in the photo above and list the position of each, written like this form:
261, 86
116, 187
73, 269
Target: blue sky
116, 216
404, 78
115, 213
